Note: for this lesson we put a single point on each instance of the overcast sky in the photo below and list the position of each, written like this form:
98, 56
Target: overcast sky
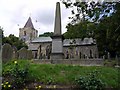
15, 13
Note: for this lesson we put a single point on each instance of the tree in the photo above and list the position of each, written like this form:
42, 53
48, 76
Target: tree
46, 34
90, 10
79, 30
97, 20
14, 41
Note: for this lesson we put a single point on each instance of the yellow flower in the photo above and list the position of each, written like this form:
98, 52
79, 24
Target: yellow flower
6, 83
39, 86
2, 84
54, 86
15, 62
9, 85
36, 87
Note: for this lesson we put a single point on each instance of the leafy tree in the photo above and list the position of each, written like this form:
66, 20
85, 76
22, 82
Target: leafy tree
97, 20
80, 30
14, 41
89, 10
46, 34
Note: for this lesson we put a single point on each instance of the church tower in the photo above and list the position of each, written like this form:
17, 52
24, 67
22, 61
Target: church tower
28, 32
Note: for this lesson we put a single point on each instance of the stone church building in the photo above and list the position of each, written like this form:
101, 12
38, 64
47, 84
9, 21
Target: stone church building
72, 48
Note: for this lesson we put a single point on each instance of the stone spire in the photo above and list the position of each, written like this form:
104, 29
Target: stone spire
57, 27
57, 38
29, 23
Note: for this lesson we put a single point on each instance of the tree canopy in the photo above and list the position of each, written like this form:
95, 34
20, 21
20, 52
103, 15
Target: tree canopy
13, 41
103, 24
46, 34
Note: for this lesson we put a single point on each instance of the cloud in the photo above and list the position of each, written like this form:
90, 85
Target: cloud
15, 13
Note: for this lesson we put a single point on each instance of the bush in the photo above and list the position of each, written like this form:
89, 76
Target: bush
90, 82
17, 75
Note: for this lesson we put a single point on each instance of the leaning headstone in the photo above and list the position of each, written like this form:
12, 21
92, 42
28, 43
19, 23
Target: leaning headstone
108, 55
22, 53
15, 54
29, 54
7, 52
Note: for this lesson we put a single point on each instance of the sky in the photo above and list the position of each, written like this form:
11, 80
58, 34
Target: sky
15, 13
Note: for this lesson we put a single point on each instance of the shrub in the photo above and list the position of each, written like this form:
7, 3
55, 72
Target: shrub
16, 74
90, 82
6, 86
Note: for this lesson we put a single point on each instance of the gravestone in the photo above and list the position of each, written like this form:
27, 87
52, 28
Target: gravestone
39, 55
15, 54
48, 51
7, 52
29, 54
22, 53
57, 38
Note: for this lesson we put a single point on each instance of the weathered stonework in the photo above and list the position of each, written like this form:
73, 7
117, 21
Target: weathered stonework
57, 38
28, 33
55, 47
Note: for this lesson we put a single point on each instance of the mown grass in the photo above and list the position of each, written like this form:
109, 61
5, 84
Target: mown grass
65, 74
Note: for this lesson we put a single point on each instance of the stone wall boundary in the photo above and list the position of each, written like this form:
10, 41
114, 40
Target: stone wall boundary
83, 62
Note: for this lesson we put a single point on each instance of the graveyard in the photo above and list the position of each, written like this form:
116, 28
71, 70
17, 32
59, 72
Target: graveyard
54, 76
56, 63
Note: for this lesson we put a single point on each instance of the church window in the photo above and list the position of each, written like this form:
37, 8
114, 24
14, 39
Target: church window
90, 53
24, 33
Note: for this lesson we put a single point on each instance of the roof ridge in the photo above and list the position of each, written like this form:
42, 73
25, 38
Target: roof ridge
29, 23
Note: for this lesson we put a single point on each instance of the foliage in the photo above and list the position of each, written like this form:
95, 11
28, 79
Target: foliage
80, 30
62, 74
14, 41
106, 29
17, 74
90, 82
88, 10
6, 86
108, 34
46, 34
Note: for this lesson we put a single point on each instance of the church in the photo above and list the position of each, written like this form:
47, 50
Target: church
55, 46
72, 48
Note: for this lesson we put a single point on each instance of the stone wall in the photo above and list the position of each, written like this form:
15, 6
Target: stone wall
81, 52
27, 34
90, 62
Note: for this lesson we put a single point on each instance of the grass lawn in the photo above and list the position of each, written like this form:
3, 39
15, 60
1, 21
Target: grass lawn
64, 74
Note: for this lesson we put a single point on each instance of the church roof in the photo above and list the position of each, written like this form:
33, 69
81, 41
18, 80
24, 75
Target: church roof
66, 42
42, 39
29, 23
85, 41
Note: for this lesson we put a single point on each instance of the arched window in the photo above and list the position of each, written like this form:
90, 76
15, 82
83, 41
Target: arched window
24, 33
91, 54
80, 55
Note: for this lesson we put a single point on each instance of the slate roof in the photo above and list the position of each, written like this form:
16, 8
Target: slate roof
42, 39
29, 23
85, 41
66, 42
